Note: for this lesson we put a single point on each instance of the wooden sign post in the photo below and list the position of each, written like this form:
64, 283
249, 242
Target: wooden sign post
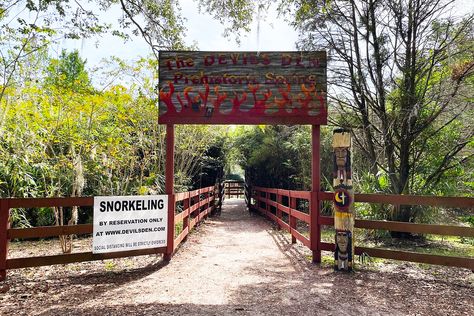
250, 88
343, 200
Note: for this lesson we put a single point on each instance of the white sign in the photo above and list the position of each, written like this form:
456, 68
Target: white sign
123, 223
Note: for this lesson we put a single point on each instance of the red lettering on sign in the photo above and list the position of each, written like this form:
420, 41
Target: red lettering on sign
208, 60
285, 60
235, 58
221, 60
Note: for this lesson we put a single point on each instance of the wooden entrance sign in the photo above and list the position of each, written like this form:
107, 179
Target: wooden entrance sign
242, 87
343, 200
248, 88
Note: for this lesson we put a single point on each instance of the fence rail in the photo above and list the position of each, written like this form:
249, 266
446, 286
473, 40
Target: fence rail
269, 202
198, 204
266, 198
195, 206
234, 188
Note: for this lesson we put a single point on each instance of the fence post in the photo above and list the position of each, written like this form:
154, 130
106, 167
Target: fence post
315, 232
186, 207
292, 220
169, 189
279, 213
208, 204
4, 225
267, 206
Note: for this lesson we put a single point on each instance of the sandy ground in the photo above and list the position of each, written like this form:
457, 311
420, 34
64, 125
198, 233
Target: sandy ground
235, 264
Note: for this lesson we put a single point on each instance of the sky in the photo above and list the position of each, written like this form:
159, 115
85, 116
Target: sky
275, 34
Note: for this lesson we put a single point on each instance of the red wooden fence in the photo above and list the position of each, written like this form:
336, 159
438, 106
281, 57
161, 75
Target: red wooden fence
197, 205
234, 188
269, 203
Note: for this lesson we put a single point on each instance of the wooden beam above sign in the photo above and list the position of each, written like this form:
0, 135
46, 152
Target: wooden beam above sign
242, 88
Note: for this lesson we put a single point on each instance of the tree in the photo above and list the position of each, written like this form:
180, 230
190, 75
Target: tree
391, 81
277, 156
68, 72
400, 76
27, 26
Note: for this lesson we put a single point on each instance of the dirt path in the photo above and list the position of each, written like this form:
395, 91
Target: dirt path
236, 264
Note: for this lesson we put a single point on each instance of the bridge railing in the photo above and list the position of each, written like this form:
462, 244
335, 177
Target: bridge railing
190, 209
281, 207
269, 203
234, 188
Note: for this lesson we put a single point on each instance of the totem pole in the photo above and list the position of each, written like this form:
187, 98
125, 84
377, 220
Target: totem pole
343, 200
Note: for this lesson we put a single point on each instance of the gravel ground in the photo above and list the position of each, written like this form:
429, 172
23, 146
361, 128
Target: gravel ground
235, 264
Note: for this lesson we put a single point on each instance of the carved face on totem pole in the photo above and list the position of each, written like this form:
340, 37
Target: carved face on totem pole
342, 242
342, 164
343, 254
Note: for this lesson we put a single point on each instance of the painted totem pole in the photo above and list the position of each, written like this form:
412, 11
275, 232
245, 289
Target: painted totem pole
343, 200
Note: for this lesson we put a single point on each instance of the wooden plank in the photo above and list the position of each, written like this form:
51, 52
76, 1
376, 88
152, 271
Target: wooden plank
50, 202
325, 196
180, 237
181, 216
77, 257
272, 203
460, 262
305, 241
273, 217
193, 193
326, 220
242, 87
203, 202
315, 205
48, 231
416, 228
284, 209
301, 194
193, 208
447, 230
284, 225
181, 196
284, 192
463, 202
301, 216
272, 191
292, 218
327, 246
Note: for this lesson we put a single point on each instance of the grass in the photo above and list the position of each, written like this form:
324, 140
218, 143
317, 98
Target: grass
178, 228
110, 266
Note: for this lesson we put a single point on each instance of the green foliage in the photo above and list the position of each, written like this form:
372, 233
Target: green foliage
68, 72
468, 219
19, 218
61, 137
234, 176
278, 156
